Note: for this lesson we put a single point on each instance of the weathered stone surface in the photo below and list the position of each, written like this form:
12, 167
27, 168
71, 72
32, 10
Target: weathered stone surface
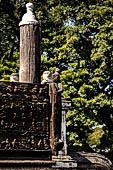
30, 116
64, 162
29, 48
24, 116
90, 161
29, 54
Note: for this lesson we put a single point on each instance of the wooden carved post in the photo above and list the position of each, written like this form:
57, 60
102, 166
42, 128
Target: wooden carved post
55, 89
29, 47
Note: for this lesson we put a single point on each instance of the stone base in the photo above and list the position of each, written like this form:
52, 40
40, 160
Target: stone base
73, 161
25, 163
25, 154
64, 162
57, 162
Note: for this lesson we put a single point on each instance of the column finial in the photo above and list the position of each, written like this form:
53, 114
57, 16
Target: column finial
29, 17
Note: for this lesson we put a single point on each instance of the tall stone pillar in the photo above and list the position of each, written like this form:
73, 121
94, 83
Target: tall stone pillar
29, 47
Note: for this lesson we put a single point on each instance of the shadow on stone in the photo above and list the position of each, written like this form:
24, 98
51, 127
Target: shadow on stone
90, 160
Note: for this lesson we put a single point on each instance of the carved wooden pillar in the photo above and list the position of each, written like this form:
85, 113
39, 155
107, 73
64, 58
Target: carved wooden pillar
55, 120
29, 47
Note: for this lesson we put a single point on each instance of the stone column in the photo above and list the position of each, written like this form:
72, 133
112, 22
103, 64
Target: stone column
29, 47
65, 106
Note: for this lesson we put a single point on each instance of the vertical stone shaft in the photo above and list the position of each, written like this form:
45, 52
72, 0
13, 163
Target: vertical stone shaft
29, 48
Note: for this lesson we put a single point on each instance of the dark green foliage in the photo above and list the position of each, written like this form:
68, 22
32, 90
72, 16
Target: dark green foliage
9, 37
77, 37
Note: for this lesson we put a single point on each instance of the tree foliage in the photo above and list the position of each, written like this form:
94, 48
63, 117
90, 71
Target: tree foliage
77, 37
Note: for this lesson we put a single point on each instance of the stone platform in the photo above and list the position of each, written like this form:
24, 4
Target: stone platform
57, 162
73, 161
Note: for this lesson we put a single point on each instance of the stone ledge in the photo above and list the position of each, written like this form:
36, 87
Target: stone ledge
18, 163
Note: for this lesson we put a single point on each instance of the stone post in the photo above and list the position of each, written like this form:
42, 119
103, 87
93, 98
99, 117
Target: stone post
65, 106
29, 47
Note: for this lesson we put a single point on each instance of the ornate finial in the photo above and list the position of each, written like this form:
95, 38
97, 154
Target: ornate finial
14, 77
29, 7
29, 17
46, 77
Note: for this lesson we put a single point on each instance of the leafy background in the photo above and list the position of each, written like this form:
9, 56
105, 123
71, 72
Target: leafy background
77, 37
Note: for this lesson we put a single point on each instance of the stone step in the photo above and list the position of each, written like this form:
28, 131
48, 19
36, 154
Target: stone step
64, 162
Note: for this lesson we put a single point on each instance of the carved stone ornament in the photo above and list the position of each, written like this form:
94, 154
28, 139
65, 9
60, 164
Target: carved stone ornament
46, 77
14, 77
29, 17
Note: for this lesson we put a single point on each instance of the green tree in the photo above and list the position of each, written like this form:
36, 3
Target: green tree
88, 80
10, 12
